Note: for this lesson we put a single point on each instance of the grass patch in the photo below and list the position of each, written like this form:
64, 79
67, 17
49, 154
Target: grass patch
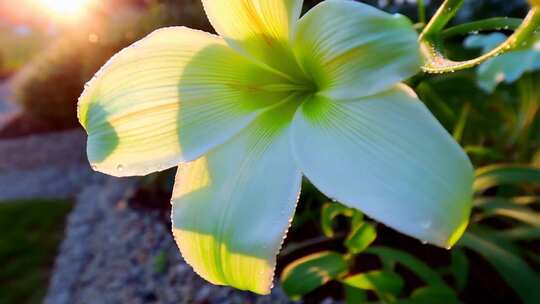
31, 232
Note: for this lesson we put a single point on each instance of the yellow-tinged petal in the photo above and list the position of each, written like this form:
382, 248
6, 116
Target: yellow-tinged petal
351, 49
389, 157
170, 98
261, 29
232, 207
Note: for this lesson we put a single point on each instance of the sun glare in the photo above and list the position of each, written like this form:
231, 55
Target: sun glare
64, 8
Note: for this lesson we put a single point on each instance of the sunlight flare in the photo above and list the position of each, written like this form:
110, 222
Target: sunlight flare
64, 8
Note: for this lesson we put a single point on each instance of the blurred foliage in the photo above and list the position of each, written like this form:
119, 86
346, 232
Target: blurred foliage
48, 87
18, 45
37, 228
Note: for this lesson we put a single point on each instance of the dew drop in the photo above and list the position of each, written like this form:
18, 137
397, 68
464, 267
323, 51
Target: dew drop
426, 224
120, 167
94, 167
499, 77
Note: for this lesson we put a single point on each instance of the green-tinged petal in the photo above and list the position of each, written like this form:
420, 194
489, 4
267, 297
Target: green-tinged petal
232, 207
261, 29
389, 157
352, 49
169, 98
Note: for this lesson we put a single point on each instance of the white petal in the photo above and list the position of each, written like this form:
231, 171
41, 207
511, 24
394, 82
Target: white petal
389, 157
351, 49
170, 98
262, 29
233, 206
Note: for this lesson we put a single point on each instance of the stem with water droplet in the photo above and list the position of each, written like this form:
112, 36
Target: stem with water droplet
431, 39
489, 24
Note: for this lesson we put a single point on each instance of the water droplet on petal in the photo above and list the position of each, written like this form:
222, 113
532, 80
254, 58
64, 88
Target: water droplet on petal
426, 224
120, 167
499, 77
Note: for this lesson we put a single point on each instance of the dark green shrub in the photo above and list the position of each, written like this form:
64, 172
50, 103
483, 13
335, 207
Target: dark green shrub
48, 87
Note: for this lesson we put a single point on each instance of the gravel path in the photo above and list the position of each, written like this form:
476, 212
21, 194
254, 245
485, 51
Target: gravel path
7, 107
6, 103
44, 166
113, 254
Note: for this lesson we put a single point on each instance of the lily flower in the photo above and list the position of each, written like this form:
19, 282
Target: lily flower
244, 115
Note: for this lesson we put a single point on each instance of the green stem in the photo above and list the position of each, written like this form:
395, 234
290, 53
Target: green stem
431, 39
444, 14
421, 11
489, 24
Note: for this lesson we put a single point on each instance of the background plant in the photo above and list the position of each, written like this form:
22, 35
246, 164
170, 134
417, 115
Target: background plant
492, 110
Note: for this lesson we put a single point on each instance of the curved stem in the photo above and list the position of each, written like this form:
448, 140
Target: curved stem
490, 24
444, 14
431, 39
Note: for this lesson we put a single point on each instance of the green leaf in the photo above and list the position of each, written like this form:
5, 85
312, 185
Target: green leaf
515, 271
462, 122
424, 272
329, 212
496, 175
484, 152
387, 148
522, 233
361, 237
489, 24
501, 207
430, 295
387, 285
312, 271
460, 268
354, 295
